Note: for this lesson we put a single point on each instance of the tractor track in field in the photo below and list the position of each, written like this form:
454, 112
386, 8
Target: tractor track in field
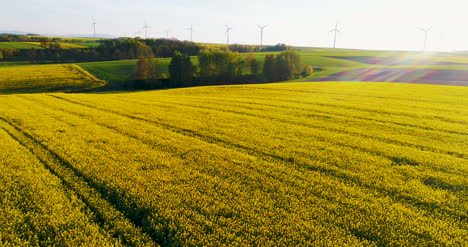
378, 120
336, 106
109, 212
316, 127
329, 199
428, 206
347, 94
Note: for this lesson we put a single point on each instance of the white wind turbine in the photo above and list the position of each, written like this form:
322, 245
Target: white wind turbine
94, 27
191, 32
426, 34
228, 30
336, 30
261, 33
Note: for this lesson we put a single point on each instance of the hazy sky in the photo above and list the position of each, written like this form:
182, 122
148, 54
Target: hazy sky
366, 24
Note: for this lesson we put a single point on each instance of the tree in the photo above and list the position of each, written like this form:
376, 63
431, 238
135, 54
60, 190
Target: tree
142, 69
220, 66
152, 68
254, 66
308, 70
181, 68
269, 67
45, 42
289, 65
205, 64
250, 58
1, 55
281, 69
55, 45
234, 66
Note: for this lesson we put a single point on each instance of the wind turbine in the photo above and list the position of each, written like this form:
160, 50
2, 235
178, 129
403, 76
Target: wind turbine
261, 33
94, 27
426, 32
145, 27
336, 30
167, 34
191, 32
228, 30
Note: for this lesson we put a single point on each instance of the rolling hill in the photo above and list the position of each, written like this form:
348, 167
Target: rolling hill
46, 78
316, 163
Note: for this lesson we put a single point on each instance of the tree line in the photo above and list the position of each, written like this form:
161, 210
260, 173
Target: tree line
111, 49
216, 67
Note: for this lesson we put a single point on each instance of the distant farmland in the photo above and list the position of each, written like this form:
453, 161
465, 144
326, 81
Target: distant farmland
62, 45
312, 164
46, 78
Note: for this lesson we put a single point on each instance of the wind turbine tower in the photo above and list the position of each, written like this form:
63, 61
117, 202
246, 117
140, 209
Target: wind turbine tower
145, 27
426, 34
191, 32
261, 33
336, 30
228, 30
94, 27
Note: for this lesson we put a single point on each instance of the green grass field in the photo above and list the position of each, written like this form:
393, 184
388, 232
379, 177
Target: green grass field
119, 71
46, 78
286, 164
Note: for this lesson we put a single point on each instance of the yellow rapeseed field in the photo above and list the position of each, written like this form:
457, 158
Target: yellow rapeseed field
46, 78
287, 164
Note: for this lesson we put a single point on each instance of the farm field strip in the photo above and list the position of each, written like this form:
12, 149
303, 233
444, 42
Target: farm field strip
326, 119
351, 90
304, 165
43, 206
305, 108
323, 123
413, 130
393, 158
62, 45
192, 172
402, 160
46, 78
247, 173
357, 109
91, 194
